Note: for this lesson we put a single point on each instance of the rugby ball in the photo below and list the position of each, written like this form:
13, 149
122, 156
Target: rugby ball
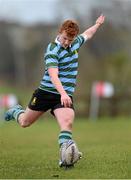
69, 153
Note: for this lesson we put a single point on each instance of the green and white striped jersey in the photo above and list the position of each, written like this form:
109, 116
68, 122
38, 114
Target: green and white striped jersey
66, 60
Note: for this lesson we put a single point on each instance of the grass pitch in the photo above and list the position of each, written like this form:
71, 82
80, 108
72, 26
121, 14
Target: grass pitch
32, 153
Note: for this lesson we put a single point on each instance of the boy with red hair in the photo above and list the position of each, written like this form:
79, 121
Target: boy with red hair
57, 86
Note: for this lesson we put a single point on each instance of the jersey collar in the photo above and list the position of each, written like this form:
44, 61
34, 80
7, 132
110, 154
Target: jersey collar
58, 42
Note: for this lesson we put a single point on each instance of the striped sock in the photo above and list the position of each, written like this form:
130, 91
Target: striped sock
64, 136
17, 113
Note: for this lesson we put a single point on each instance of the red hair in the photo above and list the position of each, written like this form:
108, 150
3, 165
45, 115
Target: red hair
70, 27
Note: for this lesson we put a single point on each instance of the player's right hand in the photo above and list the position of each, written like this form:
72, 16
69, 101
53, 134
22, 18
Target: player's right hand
66, 100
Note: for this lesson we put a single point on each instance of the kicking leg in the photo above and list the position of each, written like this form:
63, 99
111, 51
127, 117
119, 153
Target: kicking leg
24, 117
28, 117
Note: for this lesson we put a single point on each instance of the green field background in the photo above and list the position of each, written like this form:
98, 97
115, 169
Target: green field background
32, 153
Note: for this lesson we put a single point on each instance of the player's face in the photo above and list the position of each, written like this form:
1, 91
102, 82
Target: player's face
64, 40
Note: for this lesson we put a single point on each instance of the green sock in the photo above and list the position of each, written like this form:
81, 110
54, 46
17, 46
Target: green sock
64, 136
17, 113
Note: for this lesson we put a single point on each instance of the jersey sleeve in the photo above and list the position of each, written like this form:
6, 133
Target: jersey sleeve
51, 56
79, 40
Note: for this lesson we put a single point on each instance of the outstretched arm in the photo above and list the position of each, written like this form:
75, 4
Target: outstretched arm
88, 34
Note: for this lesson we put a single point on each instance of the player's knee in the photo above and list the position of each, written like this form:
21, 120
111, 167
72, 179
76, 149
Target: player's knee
25, 124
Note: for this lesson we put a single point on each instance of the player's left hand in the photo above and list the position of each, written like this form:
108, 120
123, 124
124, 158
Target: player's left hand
100, 20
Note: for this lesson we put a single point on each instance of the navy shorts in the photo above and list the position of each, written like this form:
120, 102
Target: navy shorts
43, 101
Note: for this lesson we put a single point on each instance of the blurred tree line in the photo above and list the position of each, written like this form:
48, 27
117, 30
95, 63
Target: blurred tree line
106, 57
